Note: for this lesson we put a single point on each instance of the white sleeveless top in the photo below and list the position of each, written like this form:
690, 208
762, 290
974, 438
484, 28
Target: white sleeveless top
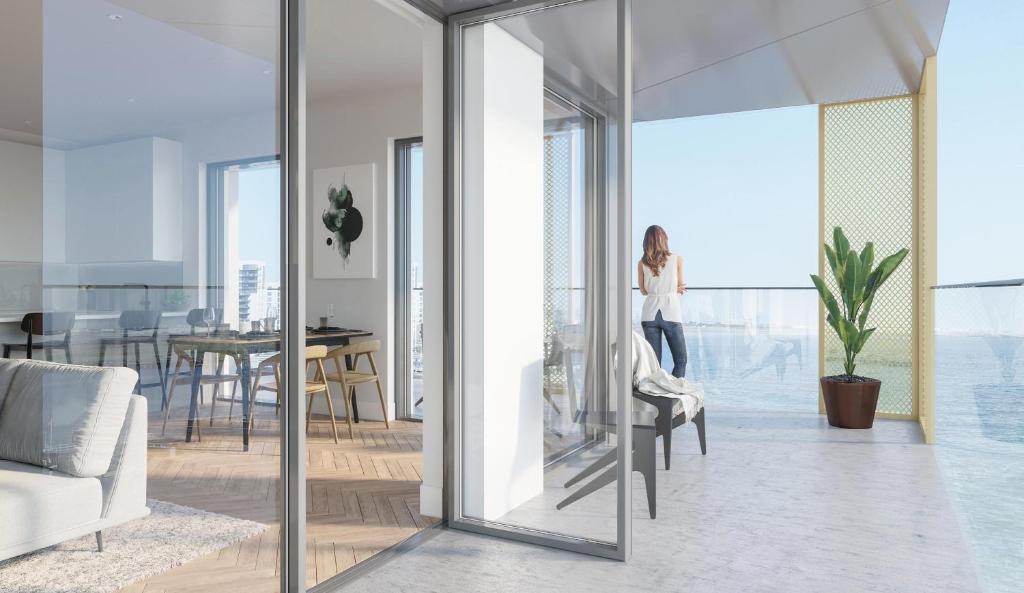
662, 293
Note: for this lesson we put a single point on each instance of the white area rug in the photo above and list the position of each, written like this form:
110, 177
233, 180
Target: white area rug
170, 536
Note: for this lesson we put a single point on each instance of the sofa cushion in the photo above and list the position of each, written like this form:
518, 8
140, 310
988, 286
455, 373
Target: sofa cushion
64, 417
8, 367
37, 504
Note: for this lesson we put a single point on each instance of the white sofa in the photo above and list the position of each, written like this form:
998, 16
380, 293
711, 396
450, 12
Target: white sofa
72, 453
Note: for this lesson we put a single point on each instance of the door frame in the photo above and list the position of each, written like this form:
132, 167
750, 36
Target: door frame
292, 138
619, 190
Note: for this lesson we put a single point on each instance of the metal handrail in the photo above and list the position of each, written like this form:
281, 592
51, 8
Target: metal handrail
987, 284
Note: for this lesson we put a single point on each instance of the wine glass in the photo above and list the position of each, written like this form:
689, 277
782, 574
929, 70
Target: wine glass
209, 315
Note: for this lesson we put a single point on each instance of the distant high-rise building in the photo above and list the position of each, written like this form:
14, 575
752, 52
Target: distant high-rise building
252, 297
274, 300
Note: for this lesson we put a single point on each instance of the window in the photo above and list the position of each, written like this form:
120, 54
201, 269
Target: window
409, 281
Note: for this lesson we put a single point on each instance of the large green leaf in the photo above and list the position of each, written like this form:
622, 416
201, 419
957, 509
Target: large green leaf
830, 255
850, 284
867, 259
885, 269
832, 322
842, 244
850, 334
826, 297
862, 339
865, 309
857, 280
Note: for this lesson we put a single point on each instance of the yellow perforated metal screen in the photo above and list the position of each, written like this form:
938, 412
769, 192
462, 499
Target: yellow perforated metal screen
868, 188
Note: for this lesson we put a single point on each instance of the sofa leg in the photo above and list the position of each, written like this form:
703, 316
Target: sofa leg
99, 541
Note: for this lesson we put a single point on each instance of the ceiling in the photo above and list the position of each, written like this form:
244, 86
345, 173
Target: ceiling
353, 46
695, 57
108, 70
162, 63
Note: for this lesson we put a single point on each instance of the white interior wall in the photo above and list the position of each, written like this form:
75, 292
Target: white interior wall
54, 205
21, 192
503, 325
21, 223
123, 201
352, 132
167, 197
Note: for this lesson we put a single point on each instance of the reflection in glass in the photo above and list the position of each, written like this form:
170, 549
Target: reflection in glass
538, 443
979, 413
127, 245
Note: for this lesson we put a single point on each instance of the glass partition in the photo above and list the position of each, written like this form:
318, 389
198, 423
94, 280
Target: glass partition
373, 160
752, 349
141, 204
539, 450
979, 411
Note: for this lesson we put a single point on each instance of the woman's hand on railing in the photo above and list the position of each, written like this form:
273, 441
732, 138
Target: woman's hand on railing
681, 288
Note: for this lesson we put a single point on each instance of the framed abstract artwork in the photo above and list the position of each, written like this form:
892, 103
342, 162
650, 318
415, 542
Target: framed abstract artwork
342, 207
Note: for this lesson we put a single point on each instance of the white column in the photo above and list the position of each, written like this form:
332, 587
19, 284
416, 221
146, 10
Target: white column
433, 274
503, 343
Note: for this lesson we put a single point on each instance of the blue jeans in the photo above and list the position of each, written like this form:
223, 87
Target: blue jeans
673, 331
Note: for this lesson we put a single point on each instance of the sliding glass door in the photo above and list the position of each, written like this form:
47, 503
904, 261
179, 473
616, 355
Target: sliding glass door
569, 189
151, 453
541, 446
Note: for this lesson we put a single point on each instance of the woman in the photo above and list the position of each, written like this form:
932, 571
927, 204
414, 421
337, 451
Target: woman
660, 277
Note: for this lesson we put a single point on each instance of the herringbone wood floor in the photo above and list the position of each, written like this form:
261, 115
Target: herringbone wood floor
362, 496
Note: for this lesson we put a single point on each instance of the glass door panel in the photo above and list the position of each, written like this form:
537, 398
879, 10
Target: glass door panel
122, 229
538, 450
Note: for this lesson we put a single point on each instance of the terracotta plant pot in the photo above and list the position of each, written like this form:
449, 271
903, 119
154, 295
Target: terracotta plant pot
850, 405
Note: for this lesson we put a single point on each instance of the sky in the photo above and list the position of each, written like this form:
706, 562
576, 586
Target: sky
737, 193
981, 141
259, 219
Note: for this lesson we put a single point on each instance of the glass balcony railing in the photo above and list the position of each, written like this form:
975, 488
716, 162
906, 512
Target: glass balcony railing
757, 349
752, 348
979, 420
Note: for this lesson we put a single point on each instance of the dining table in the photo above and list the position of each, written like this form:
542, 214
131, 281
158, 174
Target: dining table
242, 346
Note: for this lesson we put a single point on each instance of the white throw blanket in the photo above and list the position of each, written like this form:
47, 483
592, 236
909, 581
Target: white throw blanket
650, 379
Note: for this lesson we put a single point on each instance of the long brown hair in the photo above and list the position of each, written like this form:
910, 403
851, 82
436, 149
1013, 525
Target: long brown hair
655, 249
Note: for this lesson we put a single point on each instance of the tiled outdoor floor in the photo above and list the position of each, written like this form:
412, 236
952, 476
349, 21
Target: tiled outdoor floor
781, 503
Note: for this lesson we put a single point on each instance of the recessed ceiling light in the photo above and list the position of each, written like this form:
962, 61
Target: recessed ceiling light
114, 17
131, 99
268, 72
28, 122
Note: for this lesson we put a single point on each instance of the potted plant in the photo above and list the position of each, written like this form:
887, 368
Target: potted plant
176, 300
850, 400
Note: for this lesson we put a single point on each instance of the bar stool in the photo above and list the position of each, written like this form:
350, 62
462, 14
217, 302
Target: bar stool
45, 324
138, 327
348, 377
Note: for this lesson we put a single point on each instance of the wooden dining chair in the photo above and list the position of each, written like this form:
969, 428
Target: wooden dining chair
185, 355
273, 365
315, 357
44, 325
346, 361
